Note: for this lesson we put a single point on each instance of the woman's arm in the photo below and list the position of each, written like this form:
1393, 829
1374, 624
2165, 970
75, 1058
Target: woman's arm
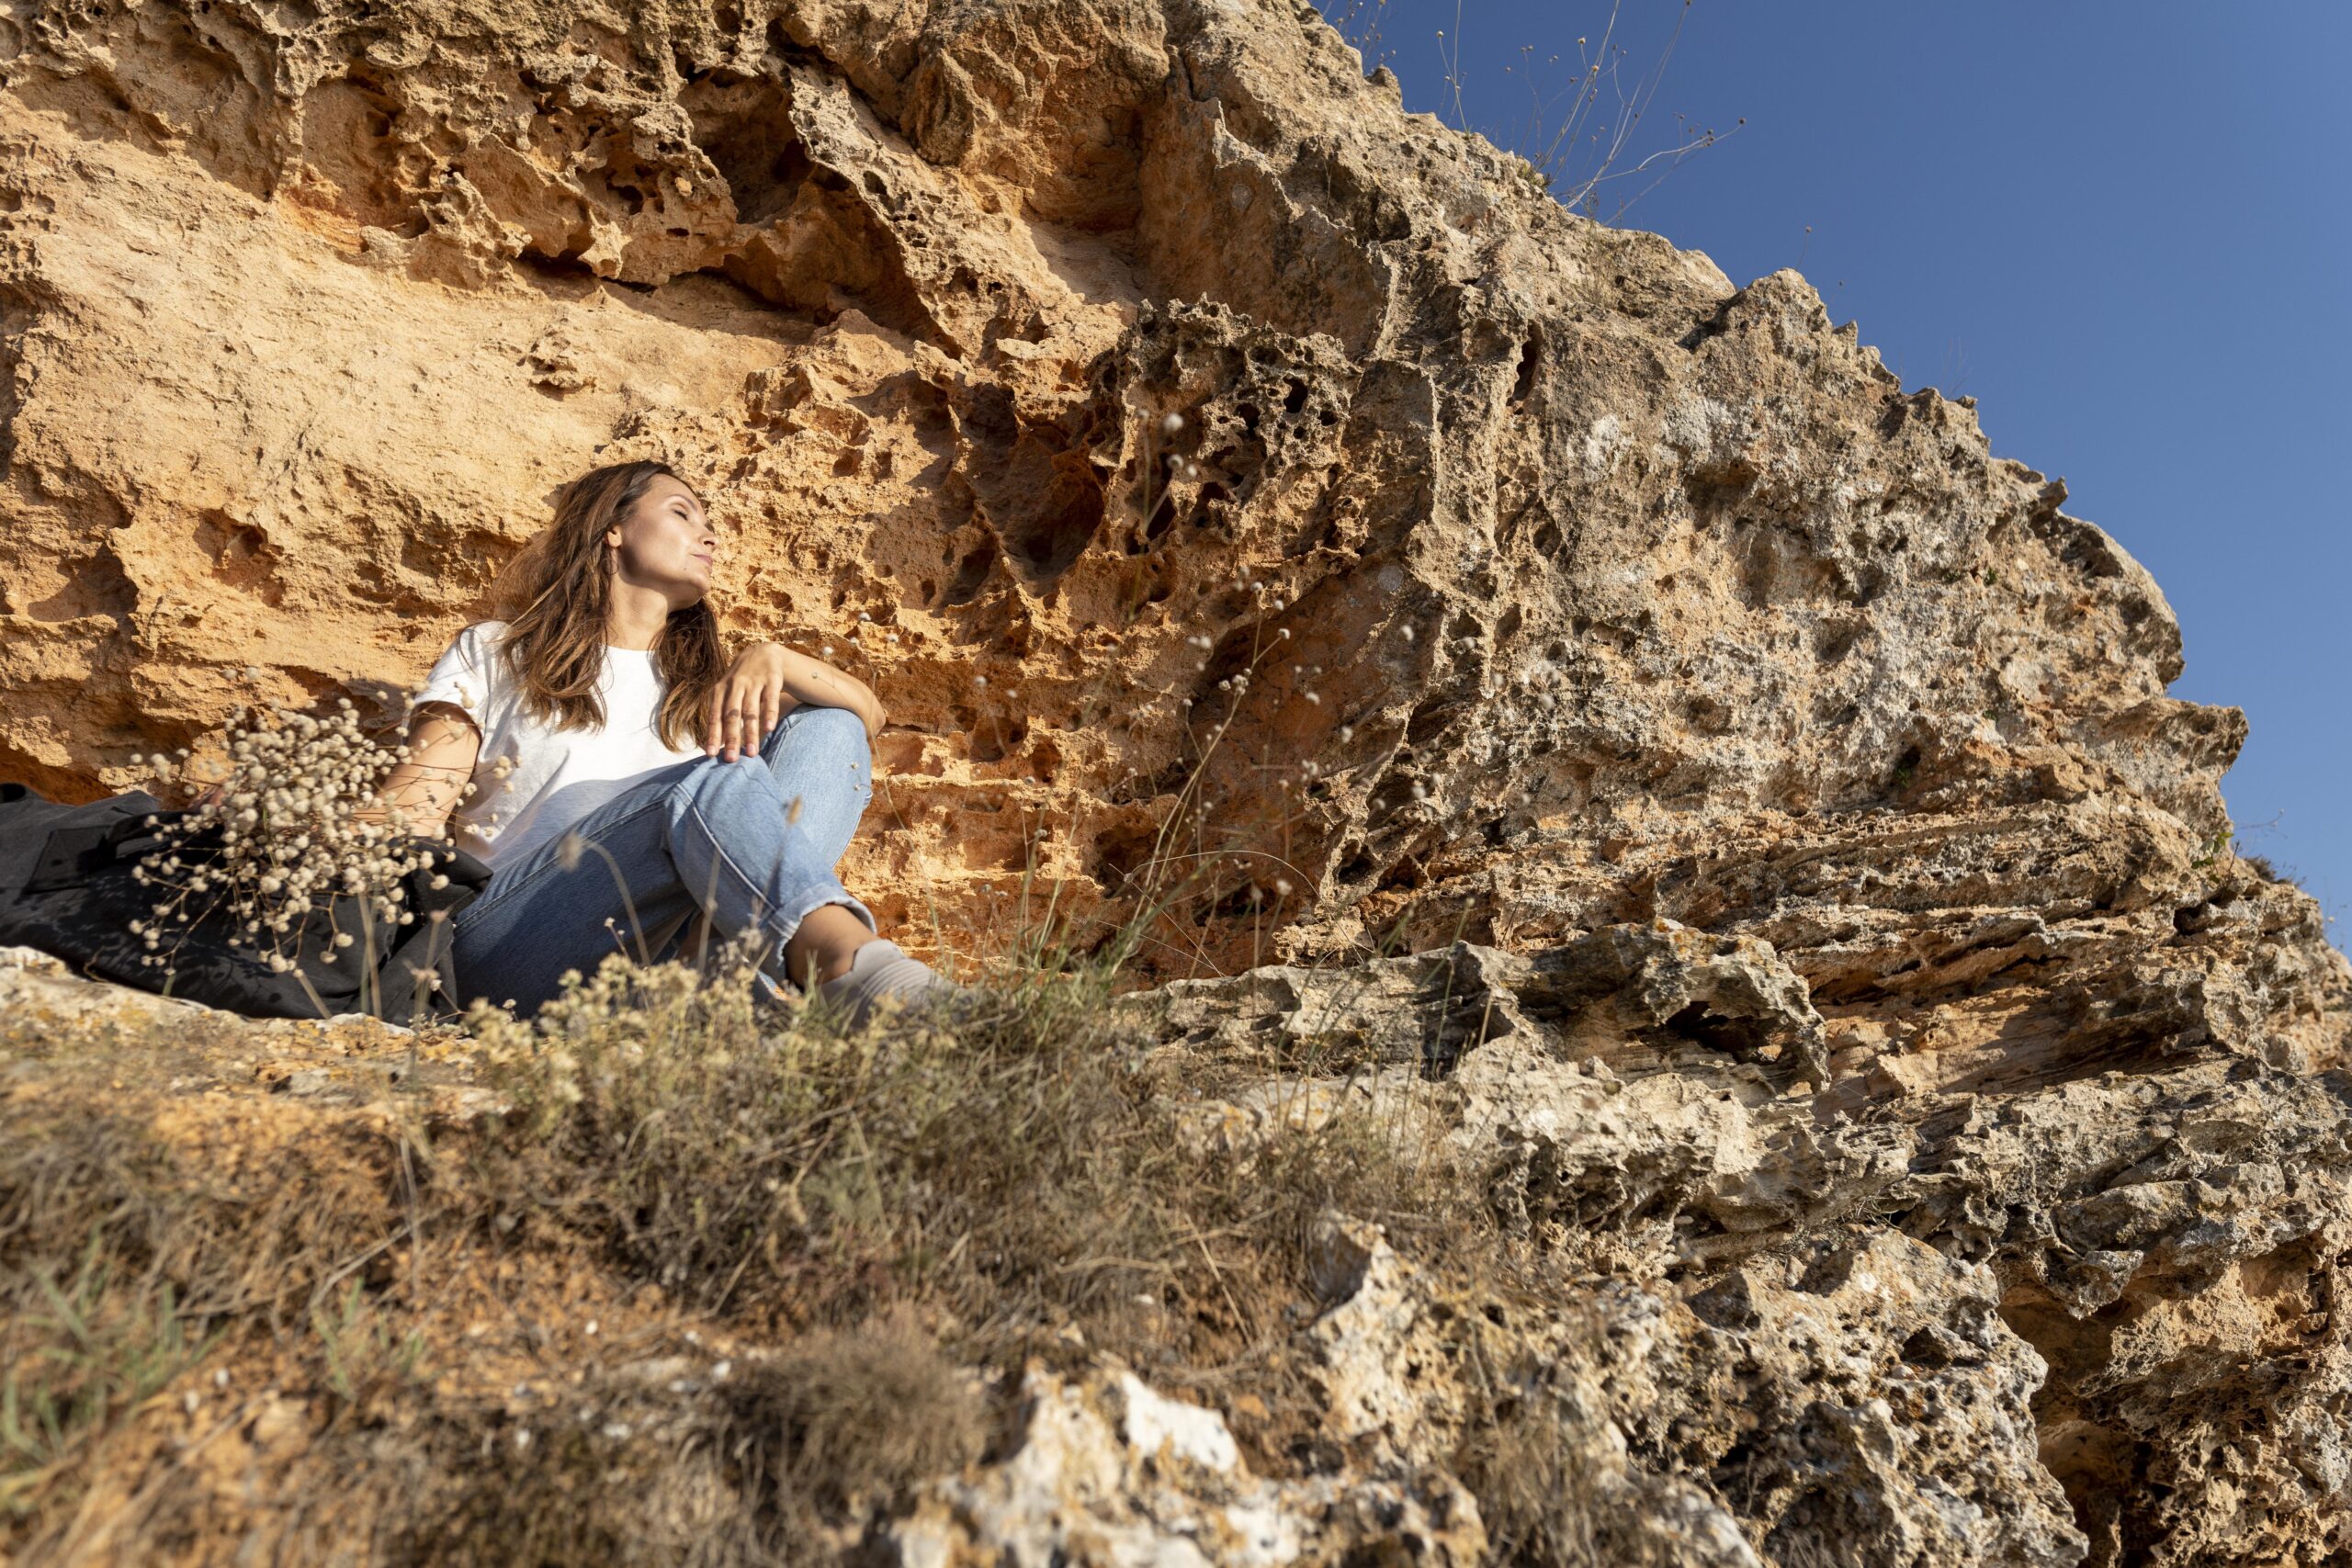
765, 682
426, 787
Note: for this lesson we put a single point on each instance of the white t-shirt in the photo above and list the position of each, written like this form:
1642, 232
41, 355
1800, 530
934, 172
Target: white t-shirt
558, 776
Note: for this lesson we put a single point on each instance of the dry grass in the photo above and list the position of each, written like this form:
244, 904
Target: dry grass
95, 1347
454, 1320
1018, 1173
140, 1239
894, 1222
1530, 1466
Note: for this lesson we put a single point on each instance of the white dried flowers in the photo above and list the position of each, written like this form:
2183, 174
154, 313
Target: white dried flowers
281, 839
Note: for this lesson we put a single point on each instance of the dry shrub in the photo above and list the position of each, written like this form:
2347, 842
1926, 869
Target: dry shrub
1020, 1167
848, 1416
781, 1462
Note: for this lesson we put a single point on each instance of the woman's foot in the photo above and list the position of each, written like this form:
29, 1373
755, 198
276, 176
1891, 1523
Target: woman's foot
880, 968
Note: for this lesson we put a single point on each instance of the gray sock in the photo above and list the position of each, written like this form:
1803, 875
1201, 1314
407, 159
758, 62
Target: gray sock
878, 969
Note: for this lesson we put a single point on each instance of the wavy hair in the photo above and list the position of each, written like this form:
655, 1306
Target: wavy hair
555, 645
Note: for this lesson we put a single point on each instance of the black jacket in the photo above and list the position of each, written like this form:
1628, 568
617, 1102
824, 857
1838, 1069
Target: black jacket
66, 888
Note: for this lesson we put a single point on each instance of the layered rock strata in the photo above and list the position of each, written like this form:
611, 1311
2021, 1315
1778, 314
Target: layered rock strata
1215, 468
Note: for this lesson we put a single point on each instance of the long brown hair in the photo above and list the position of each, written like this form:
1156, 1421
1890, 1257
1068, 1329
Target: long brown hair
555, 645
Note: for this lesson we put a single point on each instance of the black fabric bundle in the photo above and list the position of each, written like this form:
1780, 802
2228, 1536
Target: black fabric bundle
67, 887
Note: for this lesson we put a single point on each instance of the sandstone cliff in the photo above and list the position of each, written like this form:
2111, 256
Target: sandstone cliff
1751, 806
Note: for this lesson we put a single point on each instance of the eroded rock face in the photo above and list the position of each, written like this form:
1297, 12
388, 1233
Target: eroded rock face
1591, 587
2163, 1247
1104, 1470
1832, 870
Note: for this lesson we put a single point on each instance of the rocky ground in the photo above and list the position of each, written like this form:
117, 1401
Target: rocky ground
1723, 822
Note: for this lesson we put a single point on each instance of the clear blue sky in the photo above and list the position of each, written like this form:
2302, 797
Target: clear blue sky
2127, 231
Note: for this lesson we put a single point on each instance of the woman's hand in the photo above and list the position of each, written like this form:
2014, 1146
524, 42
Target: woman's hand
766, 681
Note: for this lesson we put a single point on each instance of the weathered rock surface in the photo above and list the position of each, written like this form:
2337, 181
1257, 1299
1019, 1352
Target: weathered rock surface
1849, 921
2167, 1240
1863, 1393
1106, 1471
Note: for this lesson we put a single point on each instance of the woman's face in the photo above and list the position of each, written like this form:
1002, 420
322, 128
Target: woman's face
666, 543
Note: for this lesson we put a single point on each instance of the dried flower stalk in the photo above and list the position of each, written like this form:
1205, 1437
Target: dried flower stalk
295, 826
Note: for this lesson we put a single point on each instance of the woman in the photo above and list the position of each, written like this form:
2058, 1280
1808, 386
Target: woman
627, 782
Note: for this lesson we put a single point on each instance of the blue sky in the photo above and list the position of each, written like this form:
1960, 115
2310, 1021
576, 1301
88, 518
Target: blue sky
2127, 232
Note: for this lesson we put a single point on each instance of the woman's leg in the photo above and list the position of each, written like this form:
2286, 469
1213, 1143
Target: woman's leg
704, 834
835, 952
811, 752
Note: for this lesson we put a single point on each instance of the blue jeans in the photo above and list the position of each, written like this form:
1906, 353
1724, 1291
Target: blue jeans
703, 837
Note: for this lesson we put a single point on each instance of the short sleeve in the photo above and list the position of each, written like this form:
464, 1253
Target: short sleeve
464, 675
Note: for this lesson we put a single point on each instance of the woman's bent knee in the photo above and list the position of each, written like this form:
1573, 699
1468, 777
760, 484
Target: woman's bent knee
816, 740
712, 781
838, 726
